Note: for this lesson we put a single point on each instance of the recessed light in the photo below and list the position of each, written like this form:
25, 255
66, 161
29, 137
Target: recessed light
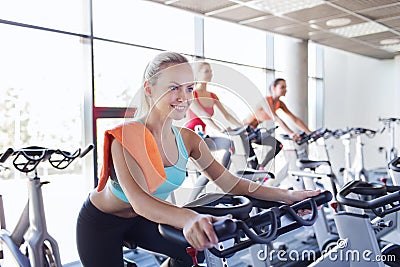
170, 2
280, 7
391, 48
338, 22
360, 29
391, 41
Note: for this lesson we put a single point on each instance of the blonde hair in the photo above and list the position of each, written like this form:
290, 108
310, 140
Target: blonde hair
200, 64
151, 74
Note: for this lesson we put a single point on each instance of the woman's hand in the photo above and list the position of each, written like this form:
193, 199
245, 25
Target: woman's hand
296, 196
295, 136
199, 231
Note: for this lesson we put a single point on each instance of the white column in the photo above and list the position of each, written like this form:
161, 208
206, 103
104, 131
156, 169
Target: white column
291, 58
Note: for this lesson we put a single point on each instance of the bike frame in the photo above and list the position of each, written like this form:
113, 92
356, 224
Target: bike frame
32, 227
354, 169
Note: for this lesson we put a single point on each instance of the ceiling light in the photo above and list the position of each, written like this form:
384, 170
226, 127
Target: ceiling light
280, 7
339, 22
169, 2
390, 41
391, 48
360, 29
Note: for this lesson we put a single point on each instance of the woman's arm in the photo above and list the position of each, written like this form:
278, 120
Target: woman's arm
295, 119
226, 114
230, 183
199, 111
270, 110
197, 228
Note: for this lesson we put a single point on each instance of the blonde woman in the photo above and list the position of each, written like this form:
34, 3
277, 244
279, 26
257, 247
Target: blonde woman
129, 202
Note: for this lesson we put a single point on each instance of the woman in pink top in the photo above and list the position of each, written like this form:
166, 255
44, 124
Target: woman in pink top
277, 89
202, 109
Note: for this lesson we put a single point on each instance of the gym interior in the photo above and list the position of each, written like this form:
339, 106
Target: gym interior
71, 70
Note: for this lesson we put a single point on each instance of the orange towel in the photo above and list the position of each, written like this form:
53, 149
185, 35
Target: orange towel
140, 143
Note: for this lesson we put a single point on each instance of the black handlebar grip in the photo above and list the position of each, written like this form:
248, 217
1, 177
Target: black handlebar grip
322, 198
384, 200
302, 141
6, 154
86, 150
371, 204
172, 234
394, 164
239, 210
224, 230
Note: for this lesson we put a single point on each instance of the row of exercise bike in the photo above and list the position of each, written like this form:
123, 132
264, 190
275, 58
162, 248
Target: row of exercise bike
354, 221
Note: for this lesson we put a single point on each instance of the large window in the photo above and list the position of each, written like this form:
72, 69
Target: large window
144, 23
44, 77
239, 88
118, 72
61, 15
239, 44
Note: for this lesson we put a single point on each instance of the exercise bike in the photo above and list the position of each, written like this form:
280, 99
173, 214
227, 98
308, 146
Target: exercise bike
313, 174
246, 229
252, 145
359, 244
313, 178
354, 169
29, 244
228, 149
394, 173
389, 126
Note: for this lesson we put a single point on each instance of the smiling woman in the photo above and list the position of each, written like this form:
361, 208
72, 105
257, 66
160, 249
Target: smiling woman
144, 161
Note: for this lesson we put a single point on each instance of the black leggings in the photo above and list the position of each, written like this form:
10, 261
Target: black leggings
100, 237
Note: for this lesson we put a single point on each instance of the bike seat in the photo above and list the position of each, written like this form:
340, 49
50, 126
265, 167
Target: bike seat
311, 164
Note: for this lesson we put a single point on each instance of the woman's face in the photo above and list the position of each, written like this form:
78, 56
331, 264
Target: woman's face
173, 91
205, 73
280, 89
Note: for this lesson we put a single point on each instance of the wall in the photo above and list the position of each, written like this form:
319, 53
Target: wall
359, 90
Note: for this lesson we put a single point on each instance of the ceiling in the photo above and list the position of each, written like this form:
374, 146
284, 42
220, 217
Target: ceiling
373, 27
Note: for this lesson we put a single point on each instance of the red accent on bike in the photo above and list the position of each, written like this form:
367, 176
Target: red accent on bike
334, 205
192, 253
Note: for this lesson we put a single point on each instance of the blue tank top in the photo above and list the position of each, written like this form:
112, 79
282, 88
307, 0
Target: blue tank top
176, 174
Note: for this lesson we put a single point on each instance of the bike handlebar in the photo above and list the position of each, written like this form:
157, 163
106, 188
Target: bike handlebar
237, 206
354, 131
237, 131
386, 196
261, 228
386, 120
252, 133
394, 164
28, 158
311, 137
5, 155
368, 132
